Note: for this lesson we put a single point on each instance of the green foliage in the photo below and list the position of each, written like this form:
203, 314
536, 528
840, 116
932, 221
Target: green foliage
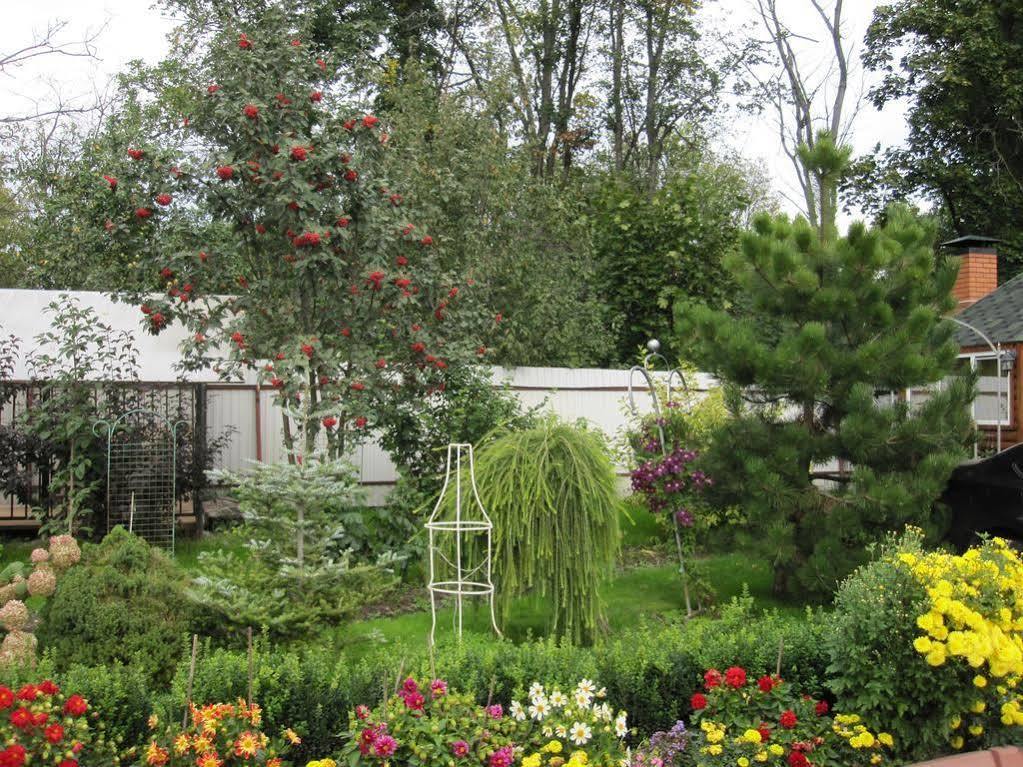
830, 324
957, 65
311, 557
121, 694
551, 493
124, 602
653, 248
874, 669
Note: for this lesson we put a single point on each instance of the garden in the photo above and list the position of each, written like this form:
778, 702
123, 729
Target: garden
753, 568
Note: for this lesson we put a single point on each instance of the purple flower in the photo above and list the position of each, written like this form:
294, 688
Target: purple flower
460, 748
410, 685
495, 711
684, 518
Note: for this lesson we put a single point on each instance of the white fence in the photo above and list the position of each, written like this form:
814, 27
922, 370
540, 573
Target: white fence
598, 396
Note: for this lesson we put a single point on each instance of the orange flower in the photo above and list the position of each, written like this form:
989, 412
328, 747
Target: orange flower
181, 744
203, 743
209, 759
247, 745
292, 737
156, 756
275, 762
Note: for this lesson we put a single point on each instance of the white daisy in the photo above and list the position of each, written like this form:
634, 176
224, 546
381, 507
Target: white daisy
602, 692
547, 731
558, 699
621, 729
539, 709
586, 685
536, 690
580, 734
582, 699
517, 711
560, 731
603, 712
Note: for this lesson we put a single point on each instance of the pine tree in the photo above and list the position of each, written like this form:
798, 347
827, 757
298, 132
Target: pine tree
834, 326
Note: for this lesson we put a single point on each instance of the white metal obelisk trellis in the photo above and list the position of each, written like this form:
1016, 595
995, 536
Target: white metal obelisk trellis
467, 523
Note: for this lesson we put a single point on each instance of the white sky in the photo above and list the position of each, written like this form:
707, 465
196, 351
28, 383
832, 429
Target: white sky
132, 29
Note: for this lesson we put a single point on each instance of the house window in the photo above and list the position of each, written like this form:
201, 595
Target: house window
994, 391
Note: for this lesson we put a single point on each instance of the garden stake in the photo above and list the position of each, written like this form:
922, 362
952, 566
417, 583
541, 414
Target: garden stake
490, 692
191, 676
249, 632
781, 646
401, 672
655, 346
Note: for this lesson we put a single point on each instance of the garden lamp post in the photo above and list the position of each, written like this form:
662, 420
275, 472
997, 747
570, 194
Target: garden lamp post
1002, 389
652, 356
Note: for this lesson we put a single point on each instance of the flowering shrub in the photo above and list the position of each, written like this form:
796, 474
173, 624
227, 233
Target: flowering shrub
664, 749
578, 728
744, 722
217, 735
426, 723
971, 630
19, 643
41, 725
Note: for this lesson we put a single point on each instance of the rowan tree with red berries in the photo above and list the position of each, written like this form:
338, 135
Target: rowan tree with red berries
288, 253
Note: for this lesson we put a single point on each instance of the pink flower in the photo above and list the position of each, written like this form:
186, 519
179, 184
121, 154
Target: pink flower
495, 711
385, 745
503, 757
438, 688
414, 700
362, 712
460, 748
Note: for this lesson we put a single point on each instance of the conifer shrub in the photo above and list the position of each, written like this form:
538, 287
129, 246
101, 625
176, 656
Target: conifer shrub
125, 601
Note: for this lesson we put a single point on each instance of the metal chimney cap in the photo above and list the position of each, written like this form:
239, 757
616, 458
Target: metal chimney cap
972, 242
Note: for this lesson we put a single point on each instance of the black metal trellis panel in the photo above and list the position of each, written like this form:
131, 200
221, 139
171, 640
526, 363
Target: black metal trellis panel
142, 474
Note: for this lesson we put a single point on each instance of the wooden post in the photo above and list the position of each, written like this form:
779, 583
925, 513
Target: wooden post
781, 647
249, 632
191, 677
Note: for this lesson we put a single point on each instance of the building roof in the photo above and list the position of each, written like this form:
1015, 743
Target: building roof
969, 240
999, 314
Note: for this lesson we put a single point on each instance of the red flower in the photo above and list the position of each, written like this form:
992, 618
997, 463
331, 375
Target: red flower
68, 763
21, 718
54, 733
136, 154
358, 386
40, 718
360, 421
316, 96
374, 280
713, 677
414, 700
345, 157
321, 64
225, 172
348, 125
244, 42
251, 111
427, 241
765, 683
765, 732
109, 225
735, 677
401, 261
351, 176
395, 199
211, 89
143, 212
821, 708
203, 256
199, 338
163, 199
346, 332
260, 229
369, 121
277, 383
416, 328
788, 719
298, 153
453, 292
698, 702
282, 100
381, 363
497, 319
308, 239
157, 320
307, 350
238, 338
329, 422
28, 692
6, 697
112, 181
418, 347
344, 221
13, 756
403, 282
798, 759
481, 351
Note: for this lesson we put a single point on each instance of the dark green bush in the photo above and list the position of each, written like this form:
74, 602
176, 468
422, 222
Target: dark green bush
124, 602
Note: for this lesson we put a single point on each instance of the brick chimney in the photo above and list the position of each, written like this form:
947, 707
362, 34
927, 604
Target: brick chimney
978, 269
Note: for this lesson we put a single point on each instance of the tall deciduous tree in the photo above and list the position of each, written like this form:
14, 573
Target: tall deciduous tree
310, 271
820, 458
959, 66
